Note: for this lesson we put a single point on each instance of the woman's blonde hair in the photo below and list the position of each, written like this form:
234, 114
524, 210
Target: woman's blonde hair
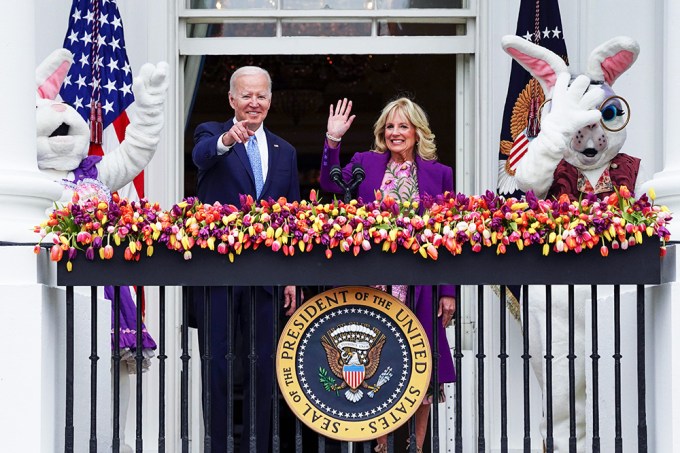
425, 146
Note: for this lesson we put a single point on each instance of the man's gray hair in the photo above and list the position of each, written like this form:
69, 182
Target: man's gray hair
246, 71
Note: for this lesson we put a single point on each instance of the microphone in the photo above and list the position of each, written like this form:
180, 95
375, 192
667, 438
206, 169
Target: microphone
358, 175
336, 177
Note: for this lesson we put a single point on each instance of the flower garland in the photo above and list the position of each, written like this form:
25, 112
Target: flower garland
449, 222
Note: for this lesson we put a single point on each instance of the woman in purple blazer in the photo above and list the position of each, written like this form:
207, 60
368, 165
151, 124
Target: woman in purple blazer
403, 165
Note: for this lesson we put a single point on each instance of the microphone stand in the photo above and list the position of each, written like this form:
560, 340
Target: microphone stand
358, 175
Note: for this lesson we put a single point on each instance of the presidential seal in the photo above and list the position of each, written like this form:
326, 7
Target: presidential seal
353, 363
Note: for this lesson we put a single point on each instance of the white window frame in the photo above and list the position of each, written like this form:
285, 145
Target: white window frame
464, 46
314, 45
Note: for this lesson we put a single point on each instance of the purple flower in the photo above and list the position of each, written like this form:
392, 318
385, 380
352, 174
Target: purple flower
426, 201
591, 197
532, 200
462, 199
496, 224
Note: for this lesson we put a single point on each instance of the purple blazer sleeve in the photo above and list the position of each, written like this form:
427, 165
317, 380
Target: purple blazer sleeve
329, 159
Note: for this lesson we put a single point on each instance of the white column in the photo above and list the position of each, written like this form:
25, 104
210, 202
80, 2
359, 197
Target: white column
664, 398
27, 375
666, 183
25, 193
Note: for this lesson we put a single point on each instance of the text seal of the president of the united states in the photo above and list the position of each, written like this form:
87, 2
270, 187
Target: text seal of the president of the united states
353, 363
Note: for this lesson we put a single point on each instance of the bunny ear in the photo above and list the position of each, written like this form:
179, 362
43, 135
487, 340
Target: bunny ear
50, 74
611, 59
540, 62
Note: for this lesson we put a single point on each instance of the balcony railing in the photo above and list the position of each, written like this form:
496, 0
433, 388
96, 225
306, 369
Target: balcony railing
266, 268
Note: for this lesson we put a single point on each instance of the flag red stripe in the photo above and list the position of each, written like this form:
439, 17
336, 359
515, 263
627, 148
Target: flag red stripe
514, 160
519, 149
139, 184
520, 142
120, 124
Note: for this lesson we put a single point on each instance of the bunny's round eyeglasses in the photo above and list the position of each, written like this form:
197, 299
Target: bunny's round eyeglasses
615, 113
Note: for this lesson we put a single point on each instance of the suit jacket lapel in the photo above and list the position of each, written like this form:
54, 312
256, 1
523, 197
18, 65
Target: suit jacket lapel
425, 182
240, 150
375, 172
273, 152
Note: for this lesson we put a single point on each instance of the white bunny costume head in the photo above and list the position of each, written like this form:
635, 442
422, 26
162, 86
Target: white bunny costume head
62, 134
584, 122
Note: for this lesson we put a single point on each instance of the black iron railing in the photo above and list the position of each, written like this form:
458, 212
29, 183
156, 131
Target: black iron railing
313, 270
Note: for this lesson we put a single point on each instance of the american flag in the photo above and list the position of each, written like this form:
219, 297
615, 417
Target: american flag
538, 21
99, 87
99, 84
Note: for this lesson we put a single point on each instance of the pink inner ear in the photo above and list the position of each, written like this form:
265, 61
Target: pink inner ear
539, 68
50, 87
617, 64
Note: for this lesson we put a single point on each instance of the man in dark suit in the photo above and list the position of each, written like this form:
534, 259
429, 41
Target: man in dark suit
238, 157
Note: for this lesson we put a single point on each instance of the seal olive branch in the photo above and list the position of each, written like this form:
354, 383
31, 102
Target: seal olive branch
327, 381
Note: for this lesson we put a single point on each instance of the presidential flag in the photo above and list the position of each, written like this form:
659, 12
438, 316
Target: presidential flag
99, 84
539, 22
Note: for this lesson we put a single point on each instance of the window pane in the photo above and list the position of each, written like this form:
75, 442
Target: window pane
325, 28
245, 29
232, 4
393, 28
327, 4
324, 4
403, 4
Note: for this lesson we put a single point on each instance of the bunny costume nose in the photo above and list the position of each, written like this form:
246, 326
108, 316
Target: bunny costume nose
58, 107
